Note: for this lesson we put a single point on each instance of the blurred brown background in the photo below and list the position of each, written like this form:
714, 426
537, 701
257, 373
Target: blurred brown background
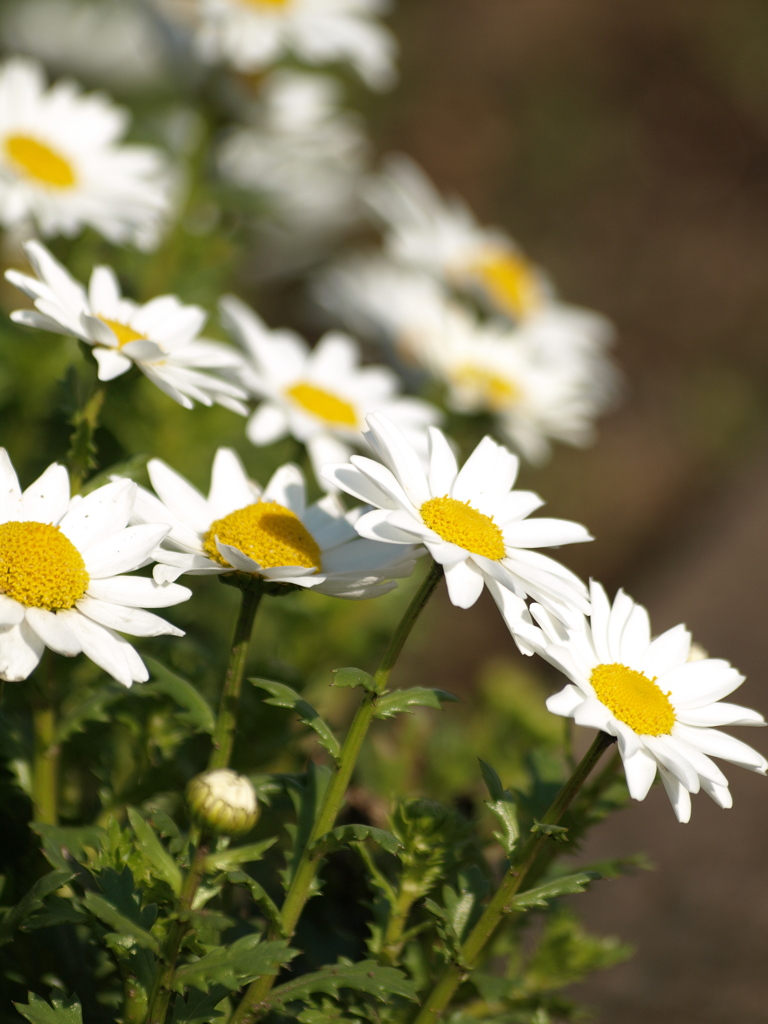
625, 146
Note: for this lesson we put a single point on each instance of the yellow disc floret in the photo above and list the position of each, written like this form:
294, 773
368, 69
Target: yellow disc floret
634, 699
321, 403
493, 390
40, 567
38, 161
459, 523
266, 532
122, 332
510, 281
266, 3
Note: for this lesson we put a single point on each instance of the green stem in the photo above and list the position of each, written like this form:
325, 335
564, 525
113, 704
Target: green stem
226, 722
392, 943
503, 901
162, 989
81, 457
253, 1003
45, 757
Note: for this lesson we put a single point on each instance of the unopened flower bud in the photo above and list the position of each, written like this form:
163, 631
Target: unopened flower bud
223, 802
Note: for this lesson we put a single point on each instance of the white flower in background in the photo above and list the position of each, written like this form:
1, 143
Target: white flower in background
320, 396
62, 166
267, 532
62, 586
663, 708
470, 520
442, 237
116, 43
254, 34
305, 155
160, 336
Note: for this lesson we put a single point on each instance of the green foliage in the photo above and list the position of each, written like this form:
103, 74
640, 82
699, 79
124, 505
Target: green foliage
567, 953
367, 976
31, 902
284, 697
352, 677
234, 966
566, 885
502, 806
60, 1011
397, 701
345, 835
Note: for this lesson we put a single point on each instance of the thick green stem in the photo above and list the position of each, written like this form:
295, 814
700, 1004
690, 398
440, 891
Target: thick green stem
503, 901
162, 990
392, 942
253, 1003
226, 722
45, 762
81, 457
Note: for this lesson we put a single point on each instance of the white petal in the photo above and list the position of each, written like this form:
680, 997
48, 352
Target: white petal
111, 363
443, 467
674, 759
237, 559
102, 512
720, 744
10, 492
11, 612
544, 533
230, 487
46, 500
565, 702
719, 713
101, 645
700, 682
20, 652
123, 551
127, 620
667, 651
490, 469
267, 425
400, 457
599, 619
678, 795
389, 527
181, 498
465, 583
720, 794
53, 631
325, 450
137, 592
286, 487
620, 613
640, 770
635, 637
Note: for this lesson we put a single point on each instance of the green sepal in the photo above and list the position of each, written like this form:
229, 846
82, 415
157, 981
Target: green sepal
502, 806
397, 701
543, 894
234, 966
352, 677
195, 710
345, 835
283, 696
32, 901
63, 1011
366, 976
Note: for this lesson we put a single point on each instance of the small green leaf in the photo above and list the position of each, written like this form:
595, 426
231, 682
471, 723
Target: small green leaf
541, 895
353, 677
92, 709
226, 859
557, 832
502, 806
234, 966
195, 710
284, 697
344, 835
260, 897
63, 1011
127, 930
199, 1007
153, 851
366, 976
63, 845
397, 701
32, 901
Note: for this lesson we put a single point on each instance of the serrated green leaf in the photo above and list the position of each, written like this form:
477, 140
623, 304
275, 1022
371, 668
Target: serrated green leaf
541, 895
63, 1011
124, 927
502, 806
307, 795
567, 953
342, 836
194, 708
63, 845
260, 897
353, 677
397, 701
154, 852
224, 860
199, 1007
366, 976
283, 696
92, 709
32, 901
234, 966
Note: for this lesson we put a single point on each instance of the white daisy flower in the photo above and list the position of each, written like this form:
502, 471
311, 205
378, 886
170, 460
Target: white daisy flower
469, 520
255, 34
442, 237
62, 586
268, 532
320, 396
663, 707
160, 336
62, 165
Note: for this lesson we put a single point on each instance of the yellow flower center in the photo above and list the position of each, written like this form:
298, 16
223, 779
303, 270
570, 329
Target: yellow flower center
39, 161
122, 332
510, 281
634, 699
40, 567
268, 533
266, 3
323, 404
493, 390
459, 523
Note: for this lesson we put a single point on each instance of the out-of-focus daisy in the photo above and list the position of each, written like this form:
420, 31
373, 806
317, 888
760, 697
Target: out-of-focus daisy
160, 337
320, 396
255, 34
470, 520
62, 166
663, 708
303, 154
267, 532
62, 586
441, 236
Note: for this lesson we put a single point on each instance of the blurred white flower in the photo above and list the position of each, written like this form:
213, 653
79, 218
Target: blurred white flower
61, 582
320, 396
161, 336
62, 167
268, 532
254, 34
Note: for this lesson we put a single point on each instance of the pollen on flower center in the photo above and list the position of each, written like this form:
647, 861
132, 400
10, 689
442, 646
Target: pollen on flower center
122, 332
323, 404
459, 523
39, 161
266, 3
40, 567
495, 391
268, 533
634, 699
510, 282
